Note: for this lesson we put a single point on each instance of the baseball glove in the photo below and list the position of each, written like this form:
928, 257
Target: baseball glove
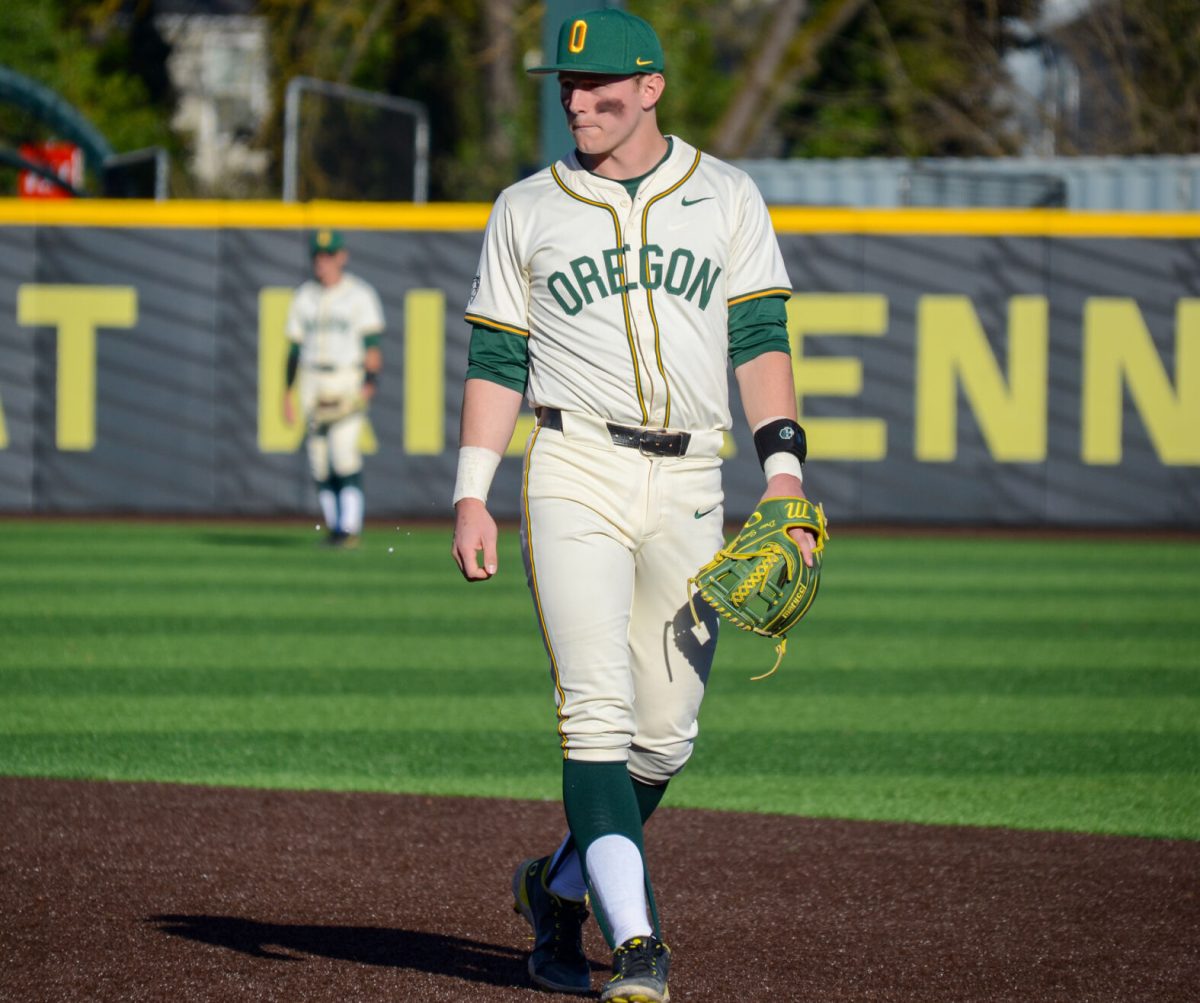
759, 580
330, 410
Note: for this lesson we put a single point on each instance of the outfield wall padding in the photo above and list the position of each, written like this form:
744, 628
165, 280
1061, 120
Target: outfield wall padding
975, 368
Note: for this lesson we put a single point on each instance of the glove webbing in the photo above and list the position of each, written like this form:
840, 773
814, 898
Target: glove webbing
768, 556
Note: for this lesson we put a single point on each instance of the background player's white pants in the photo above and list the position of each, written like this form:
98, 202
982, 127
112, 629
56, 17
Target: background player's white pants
610, 538
334, 449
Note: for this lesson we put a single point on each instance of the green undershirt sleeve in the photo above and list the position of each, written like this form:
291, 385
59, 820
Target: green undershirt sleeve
293, 363
499, 357
757, 326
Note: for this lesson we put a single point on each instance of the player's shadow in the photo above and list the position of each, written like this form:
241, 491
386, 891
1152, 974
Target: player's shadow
692, 635
434, 953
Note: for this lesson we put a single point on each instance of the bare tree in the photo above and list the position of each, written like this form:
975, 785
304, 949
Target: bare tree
500, 85
763, 67
1139, 65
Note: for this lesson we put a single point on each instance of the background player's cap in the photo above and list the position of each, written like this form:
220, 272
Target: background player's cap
607, 42
326, 242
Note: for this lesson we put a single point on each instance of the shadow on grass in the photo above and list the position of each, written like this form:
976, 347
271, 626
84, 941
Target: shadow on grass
437, 954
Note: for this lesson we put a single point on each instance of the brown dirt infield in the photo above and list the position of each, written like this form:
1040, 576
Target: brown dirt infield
118, 891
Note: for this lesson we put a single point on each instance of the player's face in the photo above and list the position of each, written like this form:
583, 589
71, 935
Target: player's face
328, 268
602, 112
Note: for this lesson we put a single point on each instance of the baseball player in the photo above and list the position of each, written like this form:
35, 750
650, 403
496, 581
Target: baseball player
334, 325
613, 290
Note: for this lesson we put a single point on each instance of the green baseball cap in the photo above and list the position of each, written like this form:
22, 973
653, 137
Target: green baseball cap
326, 242
608, 42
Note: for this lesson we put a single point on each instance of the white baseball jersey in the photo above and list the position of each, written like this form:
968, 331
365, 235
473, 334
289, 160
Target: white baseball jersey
624, 300
329, 324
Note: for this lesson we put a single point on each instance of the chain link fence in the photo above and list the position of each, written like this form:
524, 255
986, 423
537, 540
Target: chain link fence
353, 145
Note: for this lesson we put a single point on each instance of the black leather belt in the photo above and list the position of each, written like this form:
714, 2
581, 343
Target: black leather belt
647, 441
321, 367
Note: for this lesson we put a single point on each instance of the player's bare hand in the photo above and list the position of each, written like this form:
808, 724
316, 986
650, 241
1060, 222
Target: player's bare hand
474, 536
787, 486
289, 408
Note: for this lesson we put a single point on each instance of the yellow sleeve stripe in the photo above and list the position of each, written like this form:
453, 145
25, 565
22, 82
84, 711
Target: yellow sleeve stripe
474, 318
761, 294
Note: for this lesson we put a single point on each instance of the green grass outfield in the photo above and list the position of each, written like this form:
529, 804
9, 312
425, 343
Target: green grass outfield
1019, 681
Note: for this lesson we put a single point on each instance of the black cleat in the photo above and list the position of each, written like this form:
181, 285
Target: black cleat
557, 961
640, 968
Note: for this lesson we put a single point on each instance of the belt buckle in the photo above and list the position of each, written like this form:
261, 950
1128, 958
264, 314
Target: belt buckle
658, 442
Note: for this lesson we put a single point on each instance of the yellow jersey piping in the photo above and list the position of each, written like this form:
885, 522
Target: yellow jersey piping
761, 294
649, 294
474, 318
637, 372
537, 599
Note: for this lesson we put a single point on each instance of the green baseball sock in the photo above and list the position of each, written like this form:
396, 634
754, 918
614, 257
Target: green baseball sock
601, 799
648, 796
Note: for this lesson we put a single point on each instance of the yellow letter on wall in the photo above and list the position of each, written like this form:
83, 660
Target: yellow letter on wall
76, 312
274, 435
813, 314
424, 372
1117, 351
952, 350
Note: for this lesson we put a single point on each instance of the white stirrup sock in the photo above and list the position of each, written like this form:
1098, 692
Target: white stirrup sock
567, 882
618, 880
350, 502
329, 508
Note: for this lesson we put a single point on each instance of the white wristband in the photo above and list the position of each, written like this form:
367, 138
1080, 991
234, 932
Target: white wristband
476, 468
783, 463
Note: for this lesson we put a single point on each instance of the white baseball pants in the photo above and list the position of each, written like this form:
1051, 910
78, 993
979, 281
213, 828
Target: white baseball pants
610, 538
336, 449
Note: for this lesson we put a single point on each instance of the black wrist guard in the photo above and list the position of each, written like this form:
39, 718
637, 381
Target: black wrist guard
780, 436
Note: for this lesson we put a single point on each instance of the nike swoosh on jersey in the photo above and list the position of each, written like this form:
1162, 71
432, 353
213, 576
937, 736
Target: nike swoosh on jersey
700, 515
687, 201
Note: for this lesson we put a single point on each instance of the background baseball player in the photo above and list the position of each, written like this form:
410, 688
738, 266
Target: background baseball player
613, 289
335, 324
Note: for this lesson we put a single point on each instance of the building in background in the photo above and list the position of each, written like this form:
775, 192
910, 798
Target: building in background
219, 67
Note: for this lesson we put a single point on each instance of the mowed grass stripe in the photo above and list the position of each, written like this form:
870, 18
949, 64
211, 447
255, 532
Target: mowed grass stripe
456, 711
485, 764
928, 672
1147, 804
815, 754
508, 674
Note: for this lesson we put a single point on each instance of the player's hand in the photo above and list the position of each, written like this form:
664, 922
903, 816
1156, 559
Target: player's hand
787, 486
474, 532
289, 408
368, 391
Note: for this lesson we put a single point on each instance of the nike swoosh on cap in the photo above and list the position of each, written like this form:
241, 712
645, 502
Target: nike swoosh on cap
643, 62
